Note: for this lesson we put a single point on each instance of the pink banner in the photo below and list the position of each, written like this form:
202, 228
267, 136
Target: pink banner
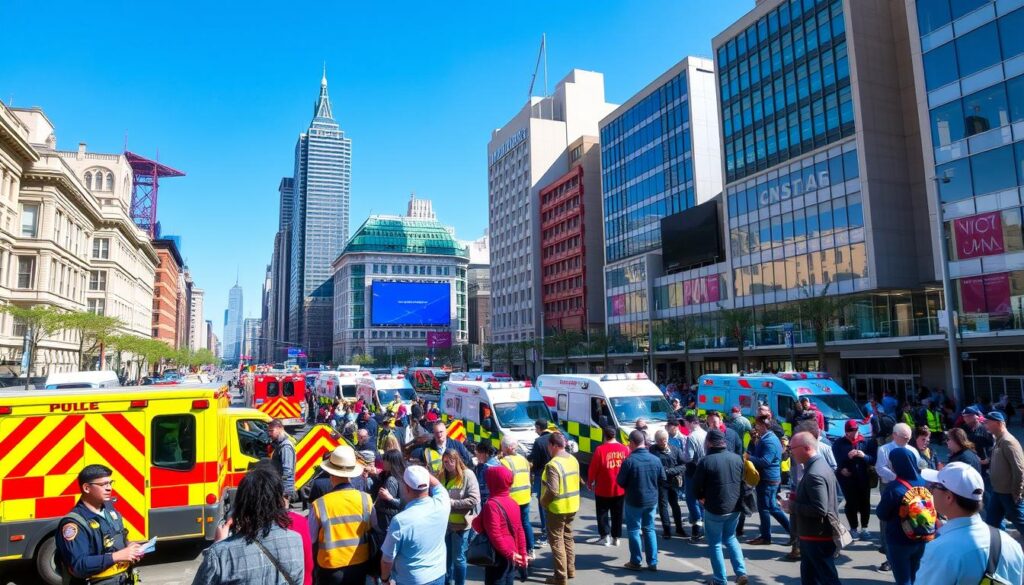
439, 339
618, 305
997, 292
972, 295
979, 235
701, 290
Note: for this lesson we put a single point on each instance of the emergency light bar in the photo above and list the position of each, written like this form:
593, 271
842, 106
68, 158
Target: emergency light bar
631, 376
507, 385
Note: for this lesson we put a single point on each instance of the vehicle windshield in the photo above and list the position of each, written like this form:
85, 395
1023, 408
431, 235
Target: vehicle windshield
516, 415
348, 391
253, 438
388, 395
837, 406
629, 408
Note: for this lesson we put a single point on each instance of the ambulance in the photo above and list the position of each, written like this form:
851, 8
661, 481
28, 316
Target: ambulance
780, 392
479, 377
176, 452
378, 391
584, 403
490, 410
280, 395
338, 384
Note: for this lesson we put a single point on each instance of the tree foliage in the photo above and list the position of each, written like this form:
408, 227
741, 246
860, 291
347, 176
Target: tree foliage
41, 321
737, 323
820, 311
562, 343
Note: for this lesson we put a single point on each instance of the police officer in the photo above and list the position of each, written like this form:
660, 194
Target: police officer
92, 543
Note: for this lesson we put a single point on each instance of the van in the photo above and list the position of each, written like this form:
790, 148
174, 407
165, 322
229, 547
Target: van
479, 377
584, 403
87, 379
280, 395
491, 410
780, 392
378, 391
337, 384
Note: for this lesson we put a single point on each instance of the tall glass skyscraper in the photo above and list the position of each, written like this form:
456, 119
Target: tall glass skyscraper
233, 324
320, 210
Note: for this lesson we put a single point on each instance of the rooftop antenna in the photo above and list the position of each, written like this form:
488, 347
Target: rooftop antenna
542, 54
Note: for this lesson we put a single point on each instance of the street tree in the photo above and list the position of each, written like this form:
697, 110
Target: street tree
820, 311
41, 321
686, 330
737, 323
562, 343
94, 332
490, 350
601, 343
363, 359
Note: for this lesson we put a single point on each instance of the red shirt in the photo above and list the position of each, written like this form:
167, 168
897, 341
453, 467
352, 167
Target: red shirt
300, 525
604, 469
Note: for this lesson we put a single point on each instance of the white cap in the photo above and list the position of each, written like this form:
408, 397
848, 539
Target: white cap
959, 478
417, 477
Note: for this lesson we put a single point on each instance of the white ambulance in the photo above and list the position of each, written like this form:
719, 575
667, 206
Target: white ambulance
332, 385
479, 377
584, 403
378, 391
490, 410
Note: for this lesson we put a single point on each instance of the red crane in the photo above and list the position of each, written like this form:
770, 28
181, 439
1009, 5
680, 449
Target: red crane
145, 186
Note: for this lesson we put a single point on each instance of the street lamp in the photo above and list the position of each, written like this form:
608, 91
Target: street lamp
947, 293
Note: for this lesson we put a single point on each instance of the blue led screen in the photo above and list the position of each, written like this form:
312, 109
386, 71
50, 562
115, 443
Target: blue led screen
423, 304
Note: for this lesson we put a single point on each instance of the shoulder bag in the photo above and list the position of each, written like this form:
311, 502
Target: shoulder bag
995, 550
481, 552
840, 533
277, 565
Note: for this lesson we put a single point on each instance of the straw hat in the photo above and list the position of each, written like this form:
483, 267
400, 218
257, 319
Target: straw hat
342, 463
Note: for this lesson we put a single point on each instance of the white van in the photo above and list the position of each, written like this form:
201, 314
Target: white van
89, 379
490, 410
378, 391
584, 403
479, 377
332, 385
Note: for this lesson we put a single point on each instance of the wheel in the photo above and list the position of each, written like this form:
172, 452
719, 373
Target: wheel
46, 561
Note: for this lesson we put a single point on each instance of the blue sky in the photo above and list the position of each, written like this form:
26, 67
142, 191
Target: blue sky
222, 92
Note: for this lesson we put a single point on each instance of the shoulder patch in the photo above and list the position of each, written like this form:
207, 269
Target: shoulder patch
113, 514
94, 524
70, 531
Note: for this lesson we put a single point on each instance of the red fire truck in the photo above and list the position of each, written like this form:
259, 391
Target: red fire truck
278, 394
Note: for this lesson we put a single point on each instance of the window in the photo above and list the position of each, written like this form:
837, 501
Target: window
958, 173
273, 389
97, 280
1015, 97
940, 66
174, 441
961, 7
29, 220
109, 185
101, 248
26, 271
985, 110
978, 49
97, 306
993, 170
947, 124
932, 15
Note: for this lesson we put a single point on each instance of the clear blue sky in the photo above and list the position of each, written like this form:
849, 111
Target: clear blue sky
223, 93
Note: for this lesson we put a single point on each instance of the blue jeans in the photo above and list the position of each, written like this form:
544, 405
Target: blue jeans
455, 568
904, 559
716, 530
540, 509
768, 508
637, 520
1002, 506
524, 517
692, 503
818, 563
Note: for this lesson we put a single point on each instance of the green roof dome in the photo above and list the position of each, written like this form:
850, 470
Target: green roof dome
404, 235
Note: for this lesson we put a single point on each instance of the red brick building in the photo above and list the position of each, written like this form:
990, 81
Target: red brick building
166, 290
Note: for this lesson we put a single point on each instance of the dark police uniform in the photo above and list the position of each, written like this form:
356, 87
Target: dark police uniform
86, 542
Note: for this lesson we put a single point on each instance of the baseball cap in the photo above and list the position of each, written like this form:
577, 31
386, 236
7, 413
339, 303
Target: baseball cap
417, 477
972, 410
996, 416
959, 478
851, 425
736, 409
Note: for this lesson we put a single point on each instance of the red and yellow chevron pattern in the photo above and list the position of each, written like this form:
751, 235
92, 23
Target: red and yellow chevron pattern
457, 431
281, 408
310, 451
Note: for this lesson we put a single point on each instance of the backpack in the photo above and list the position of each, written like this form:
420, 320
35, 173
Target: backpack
995, 548
917, 513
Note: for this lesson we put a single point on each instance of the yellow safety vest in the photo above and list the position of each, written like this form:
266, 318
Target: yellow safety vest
520, 468
908, 418
934, 421
344, 518
453, 517
433, 459
567, 501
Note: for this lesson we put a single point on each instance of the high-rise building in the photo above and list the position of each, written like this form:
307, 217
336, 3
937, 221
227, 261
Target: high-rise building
420, 208
320, 213
251, 339
209, 336
265, 309
276, 325
478, 284
196, 338
233, 332
166, 292
524, 155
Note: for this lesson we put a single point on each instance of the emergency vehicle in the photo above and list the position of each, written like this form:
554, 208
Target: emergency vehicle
584, 403
479, 377
781, 392
490, 410
68, 380
339, 384
427, 380
280, 395
380, 391
176, 452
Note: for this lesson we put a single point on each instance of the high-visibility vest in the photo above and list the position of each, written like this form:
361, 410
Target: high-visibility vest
520, 468
344, 517
908, 418
453, 517
934, 421
567, 501
433, 459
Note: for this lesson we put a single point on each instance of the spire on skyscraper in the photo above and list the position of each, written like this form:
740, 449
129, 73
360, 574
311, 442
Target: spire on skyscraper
323, 103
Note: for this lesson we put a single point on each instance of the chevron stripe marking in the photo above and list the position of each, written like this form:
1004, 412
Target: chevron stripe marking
19, 433
115, 459
127, 430
43, 449
68, 461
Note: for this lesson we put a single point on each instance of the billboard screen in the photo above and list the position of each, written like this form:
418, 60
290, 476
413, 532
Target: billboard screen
420, 304
691, 238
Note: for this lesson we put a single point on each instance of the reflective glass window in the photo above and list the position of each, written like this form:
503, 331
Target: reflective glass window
839, 218
932, 15
985, 110
813, 229
1010, 27
855, 209
1013, 238
835, 170
825, 217
978, 49
1015, 97
1019, 159
850, 165
947, 124
958, 175
993, 170
962, 7
940, 66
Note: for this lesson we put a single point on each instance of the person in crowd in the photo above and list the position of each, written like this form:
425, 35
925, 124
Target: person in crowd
1006, 472
733, 441
907, 415
539, 457
641, 476
560, 497
257, 530
441, 444
889, 402
814, 503
299, 525
486, 456
499, 519
368, 423
641, 425
854, 457
765, 453
693, 451
901, 434
671, 458
982, 439
339, 524
391, 443
677, 408
602, 473
961, 552
810, 426
676, 434
283, 455
388, 491
927, 457
961, 449
365, 442
904, 552
773, 425
520, 489
719, 482
413, 552
464, 496
739, 424
934, 418
811, 412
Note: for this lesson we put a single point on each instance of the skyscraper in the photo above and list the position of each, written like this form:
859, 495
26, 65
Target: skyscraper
320, 207
233, 325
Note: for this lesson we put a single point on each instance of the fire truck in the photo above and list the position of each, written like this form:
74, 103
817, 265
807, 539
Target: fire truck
279, 394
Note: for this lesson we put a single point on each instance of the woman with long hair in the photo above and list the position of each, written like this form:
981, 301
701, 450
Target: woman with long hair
922, 442
962, 449
391, 444
464, 493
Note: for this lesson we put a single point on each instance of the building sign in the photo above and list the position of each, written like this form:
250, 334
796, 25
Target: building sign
986, 294
439, 339
508, 145
979, 235
795, 187
701, 290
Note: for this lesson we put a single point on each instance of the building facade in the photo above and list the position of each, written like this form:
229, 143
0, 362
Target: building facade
196, 335
320, 214
166, 292
397, 250
478, 286
251, 346
525, 155
276, 323
233, 329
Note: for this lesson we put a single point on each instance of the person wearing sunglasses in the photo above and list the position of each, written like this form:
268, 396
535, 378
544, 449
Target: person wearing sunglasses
92, 543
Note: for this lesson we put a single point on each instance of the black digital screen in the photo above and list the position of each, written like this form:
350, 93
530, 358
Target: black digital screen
691, 238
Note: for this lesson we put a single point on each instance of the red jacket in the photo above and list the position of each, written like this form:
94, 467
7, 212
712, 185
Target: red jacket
604, 469
507, 538
300, 525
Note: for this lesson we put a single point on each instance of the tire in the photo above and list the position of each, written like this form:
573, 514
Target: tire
46, 561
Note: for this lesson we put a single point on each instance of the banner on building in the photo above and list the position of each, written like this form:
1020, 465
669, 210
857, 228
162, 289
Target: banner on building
979, 235
439, 339
701, 290
986, 294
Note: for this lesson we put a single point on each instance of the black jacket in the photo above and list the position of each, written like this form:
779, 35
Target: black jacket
539, 456
672, 460
718, 481
816, 499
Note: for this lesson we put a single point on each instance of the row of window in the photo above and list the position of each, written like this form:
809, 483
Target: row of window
674, 118
841, 263
549, 196
792, 182
570, 225
639, 230
562, 266
987, 172
935, 14
821, 220
985, 234
786, 16
564, 285
555, 308
561, 209
412, 270
99, 181
655, 102
990, 108
970, 53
